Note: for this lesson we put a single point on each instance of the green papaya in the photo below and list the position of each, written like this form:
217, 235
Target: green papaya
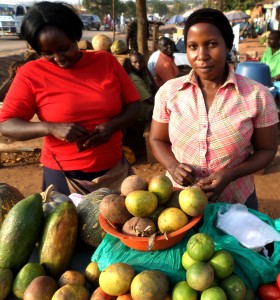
24, 277
20, 231
6, 283
57, 245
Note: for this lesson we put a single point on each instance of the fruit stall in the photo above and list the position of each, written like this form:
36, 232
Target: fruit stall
145, 241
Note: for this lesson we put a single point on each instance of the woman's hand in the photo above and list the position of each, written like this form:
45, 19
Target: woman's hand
100, 135
69, 132
183, 174
214, 184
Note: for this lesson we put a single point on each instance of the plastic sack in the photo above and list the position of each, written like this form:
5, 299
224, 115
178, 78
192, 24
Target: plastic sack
247, 228
253, 268
112, 250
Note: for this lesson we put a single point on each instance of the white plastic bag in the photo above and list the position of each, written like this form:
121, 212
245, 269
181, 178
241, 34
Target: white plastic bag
247, 228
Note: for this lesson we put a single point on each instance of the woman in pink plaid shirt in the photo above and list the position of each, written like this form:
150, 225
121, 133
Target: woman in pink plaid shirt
214, 127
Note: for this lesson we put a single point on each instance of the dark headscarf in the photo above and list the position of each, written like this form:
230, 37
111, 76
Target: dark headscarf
214, 17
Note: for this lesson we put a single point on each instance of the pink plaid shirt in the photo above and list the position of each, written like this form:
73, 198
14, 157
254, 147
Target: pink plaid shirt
220, 138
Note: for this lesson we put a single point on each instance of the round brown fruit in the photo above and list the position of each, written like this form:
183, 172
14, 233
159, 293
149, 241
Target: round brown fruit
113, 208
42, 287
72, 277
133, 183
139, 227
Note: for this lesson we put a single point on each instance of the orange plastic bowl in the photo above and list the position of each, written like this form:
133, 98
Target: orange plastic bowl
141, 243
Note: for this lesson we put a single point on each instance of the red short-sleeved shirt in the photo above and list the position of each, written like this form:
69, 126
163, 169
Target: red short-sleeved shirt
93, 91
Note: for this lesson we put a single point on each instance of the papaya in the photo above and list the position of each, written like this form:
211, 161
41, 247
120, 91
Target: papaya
6, 283
57, 244
24, 277
20, 231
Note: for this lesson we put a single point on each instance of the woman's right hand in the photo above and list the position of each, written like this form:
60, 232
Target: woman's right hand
183, 174
69, 132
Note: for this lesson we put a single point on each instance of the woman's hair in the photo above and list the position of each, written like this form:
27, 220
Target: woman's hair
277, 14
276, 33
214, 17
59, 14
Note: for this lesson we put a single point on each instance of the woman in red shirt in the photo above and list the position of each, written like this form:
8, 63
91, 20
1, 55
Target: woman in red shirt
77, 95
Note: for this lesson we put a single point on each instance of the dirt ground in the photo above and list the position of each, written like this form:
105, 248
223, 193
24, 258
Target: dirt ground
27, 177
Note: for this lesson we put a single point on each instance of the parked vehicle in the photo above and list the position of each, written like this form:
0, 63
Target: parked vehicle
91, 21
96, 22
86, 21
7, 22
11, 16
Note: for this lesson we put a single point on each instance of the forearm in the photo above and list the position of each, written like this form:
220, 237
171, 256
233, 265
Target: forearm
127, 117
276, 78
256, 162
23, 130
163, 153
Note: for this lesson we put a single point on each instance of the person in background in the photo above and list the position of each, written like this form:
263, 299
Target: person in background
83, 99
257, 12
165, 68
212, 127
152, 62
122, 23
277, 16
131, 36
144, 83
271, 55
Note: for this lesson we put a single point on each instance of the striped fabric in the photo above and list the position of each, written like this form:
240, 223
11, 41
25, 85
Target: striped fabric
220, 138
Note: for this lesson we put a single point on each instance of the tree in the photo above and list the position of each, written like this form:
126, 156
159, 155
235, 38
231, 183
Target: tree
178, 7
227, 5
142, 27
160, 8
103, 7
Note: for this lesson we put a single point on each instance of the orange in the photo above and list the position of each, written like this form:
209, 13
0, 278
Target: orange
141, 203
223, 264
115, 279
171, 219
162, 187
182, 291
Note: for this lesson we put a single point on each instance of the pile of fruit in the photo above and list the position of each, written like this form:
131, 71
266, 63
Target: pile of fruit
152, 208
209, 273
51, 223
119, 281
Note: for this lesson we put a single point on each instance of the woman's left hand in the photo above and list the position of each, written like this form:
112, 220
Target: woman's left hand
214, 184
100, 135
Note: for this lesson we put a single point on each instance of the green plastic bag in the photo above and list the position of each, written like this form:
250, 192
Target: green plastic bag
112, 250
253, 268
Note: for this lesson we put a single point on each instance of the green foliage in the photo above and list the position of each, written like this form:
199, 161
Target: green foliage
239, 5
178, 7
130, 9
103, 7
227, 5
160, 8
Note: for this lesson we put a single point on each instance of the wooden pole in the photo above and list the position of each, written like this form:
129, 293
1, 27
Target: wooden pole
114, 19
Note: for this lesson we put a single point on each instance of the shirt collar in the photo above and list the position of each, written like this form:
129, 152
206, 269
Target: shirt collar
191, 79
